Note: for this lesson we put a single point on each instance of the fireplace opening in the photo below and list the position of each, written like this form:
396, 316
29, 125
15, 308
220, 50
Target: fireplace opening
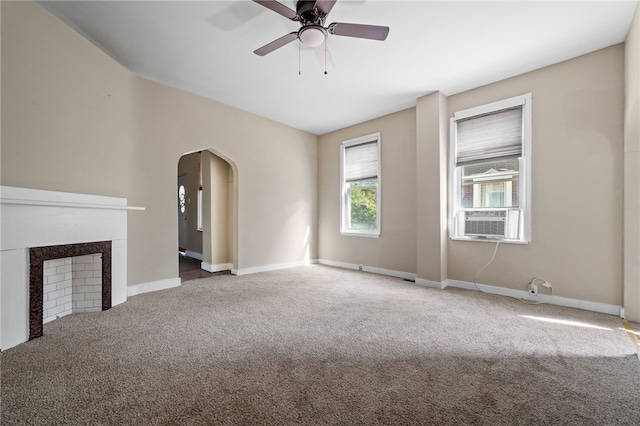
67, 278
71, 285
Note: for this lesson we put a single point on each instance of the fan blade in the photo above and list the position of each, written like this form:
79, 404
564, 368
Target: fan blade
325, 6
276, 44
372, 32
279, 8
324, 57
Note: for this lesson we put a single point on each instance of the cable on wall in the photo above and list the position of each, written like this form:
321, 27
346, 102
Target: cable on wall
475, 278
533, 281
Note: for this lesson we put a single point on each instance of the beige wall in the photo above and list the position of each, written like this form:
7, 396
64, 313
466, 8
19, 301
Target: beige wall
632, 171
67, 108
577, 180
189, 237
432, 145
216, 174
576, 230
116, 134
396, 247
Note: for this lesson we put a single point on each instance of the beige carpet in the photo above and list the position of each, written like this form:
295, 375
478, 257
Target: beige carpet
321, 345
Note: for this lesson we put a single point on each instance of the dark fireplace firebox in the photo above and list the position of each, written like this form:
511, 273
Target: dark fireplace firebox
37, 257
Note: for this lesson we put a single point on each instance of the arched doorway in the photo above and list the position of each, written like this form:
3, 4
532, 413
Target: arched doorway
207, 214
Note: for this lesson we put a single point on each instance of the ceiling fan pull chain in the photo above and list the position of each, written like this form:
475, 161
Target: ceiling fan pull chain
326, 40
299, 61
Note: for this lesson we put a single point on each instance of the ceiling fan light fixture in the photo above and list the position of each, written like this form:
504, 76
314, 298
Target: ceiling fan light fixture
312, 35
312, 15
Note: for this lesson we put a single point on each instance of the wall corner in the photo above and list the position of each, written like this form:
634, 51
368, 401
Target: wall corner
431, 186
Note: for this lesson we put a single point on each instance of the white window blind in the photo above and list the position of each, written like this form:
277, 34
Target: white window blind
489, 136
361, 161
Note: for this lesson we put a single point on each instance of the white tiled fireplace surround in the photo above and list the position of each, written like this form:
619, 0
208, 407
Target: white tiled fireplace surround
42, 220
72, 284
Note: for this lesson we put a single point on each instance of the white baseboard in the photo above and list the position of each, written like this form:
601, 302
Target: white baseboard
431, 284
216, 268
604, 308
338, 264
274, 267
136, 289
193, 254
381, 271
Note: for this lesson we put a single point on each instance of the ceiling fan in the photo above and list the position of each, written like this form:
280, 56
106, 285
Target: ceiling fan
313, 33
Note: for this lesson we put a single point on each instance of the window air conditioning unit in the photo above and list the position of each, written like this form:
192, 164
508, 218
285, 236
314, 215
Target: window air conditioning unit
491, 223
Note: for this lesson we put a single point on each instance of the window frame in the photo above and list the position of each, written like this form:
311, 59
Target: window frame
345, 190
524, 172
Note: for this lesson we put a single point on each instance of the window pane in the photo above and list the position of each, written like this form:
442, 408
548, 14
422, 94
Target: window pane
490, 184
363, 206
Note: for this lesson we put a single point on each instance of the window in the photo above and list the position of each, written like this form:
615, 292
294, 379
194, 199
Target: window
360, 186
491, 165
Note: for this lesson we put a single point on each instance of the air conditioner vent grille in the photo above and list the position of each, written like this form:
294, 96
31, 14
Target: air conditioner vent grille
484, 227
485, 223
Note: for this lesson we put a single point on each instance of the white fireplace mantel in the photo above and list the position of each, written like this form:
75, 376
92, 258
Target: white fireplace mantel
37, 218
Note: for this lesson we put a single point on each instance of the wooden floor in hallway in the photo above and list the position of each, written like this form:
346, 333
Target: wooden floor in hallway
189, 269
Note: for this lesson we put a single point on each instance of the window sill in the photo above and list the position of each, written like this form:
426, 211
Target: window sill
360, 234
490, 240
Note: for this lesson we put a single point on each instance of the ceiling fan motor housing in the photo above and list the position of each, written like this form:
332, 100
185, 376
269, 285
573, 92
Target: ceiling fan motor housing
308, 13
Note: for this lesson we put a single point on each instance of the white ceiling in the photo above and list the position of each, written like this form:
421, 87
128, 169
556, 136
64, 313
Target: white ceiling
206, 47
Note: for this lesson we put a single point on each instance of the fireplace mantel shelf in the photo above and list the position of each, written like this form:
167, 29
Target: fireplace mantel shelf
67, 204
40, 225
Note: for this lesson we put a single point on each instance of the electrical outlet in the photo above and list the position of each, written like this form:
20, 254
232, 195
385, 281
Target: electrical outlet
533, 289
